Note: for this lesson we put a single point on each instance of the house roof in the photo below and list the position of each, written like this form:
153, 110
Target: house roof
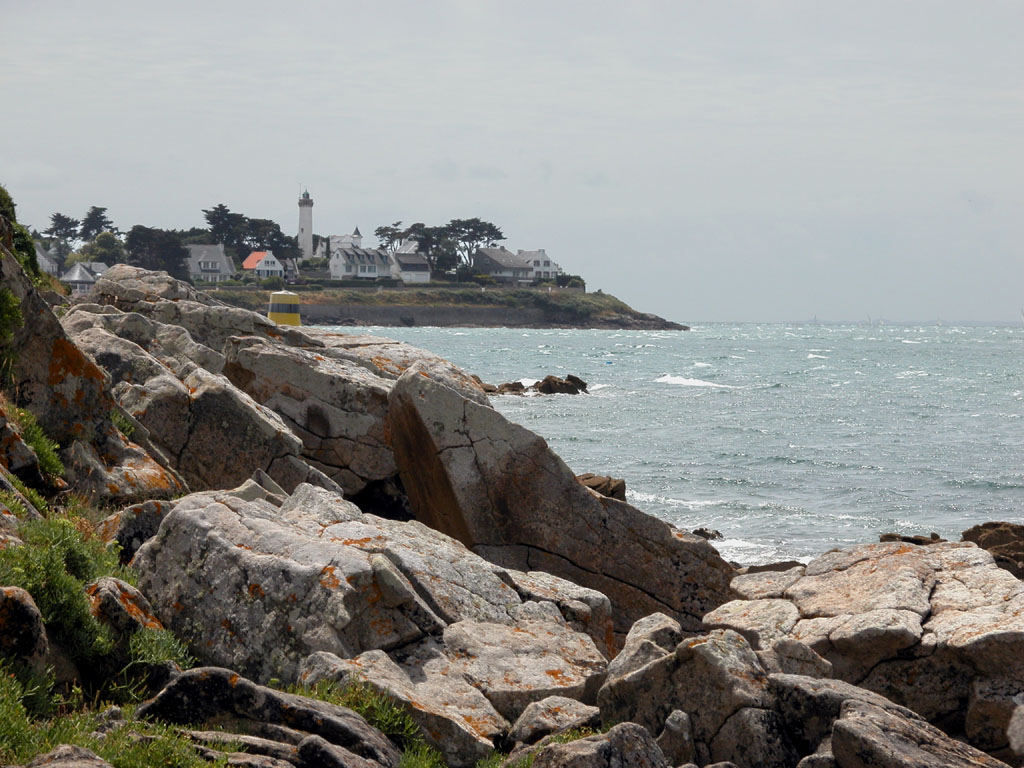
356, 232
361, 255
208, 253
78, 274
502, 258
411, 262
253, 259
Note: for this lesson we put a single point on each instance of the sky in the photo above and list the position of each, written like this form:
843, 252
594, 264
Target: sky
706, 161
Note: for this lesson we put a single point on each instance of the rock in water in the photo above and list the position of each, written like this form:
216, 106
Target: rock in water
499, 489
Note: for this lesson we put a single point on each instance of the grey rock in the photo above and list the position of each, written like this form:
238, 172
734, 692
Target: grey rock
453, 716
67, 756
552, 714
989, 709
626, 744
868, 735
22, 632
650, 638
754, 736
121, 606
761, 622
207, 693
676, 738
133, 526
710, 677
809, 707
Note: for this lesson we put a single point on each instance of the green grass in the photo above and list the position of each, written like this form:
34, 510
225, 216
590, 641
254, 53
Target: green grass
22, 737
13, 503
122, 422
496, 759
384, 714
45, 448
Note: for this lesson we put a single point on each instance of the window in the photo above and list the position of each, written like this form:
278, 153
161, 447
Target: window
536, 263
547, 263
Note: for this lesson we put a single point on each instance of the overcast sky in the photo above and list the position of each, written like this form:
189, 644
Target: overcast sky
701, 160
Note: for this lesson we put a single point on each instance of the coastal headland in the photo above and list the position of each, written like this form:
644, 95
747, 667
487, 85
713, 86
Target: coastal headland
458, 306
257, 545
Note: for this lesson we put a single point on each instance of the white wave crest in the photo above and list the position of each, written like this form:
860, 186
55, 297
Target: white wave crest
682, 381
813, 356
702, 365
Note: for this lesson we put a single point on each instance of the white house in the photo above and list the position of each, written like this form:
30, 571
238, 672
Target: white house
409, 265
80, 278
209, 263
46, 259
543, 268
326, 246
263, 264
359, 264
503, 265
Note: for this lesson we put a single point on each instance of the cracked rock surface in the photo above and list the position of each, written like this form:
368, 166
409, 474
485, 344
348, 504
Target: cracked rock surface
932, 628
499, 489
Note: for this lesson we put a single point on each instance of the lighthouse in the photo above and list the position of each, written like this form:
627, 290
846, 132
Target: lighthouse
306, 226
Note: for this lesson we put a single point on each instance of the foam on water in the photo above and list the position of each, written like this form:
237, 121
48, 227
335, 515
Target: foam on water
683, 381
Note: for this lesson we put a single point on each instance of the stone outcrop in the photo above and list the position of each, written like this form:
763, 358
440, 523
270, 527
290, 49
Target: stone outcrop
258, 588
499, 489
214, 435
1004, 540
625, 744
613, 487
317, 729
22, 632
931, 628
70, 396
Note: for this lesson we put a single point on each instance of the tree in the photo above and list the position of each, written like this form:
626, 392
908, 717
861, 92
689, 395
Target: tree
266, 235
64, 230
470, 234
227, 227
157, 249
105, 247
436, 245
389, 238
94, 222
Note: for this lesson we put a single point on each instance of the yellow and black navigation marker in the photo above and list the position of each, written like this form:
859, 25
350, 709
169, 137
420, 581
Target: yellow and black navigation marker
284, 308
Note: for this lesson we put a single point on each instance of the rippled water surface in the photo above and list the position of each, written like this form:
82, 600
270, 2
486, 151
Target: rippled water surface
789, 440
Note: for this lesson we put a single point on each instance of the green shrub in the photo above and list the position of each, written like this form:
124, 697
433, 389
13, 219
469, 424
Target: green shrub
10, 315
44, 448
122, 422
15, 728
13, 503
31, 494
377, 708
54, 566
420, 755
154, 646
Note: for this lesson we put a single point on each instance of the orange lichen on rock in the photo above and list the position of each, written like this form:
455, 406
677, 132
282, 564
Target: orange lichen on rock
327, 578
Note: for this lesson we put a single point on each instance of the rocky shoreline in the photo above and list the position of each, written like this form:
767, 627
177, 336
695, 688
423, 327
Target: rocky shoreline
306, 508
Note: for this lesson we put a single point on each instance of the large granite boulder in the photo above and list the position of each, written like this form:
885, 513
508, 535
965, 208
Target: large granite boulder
257, 587
715, 679
625, 744
500, 490
336, 407
927, 627
70, 396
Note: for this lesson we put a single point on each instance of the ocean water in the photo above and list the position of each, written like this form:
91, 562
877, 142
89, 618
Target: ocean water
788, 439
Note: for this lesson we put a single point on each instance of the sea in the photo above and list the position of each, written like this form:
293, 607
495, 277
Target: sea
788, 439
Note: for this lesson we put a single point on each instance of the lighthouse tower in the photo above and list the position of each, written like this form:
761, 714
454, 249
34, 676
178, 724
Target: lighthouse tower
306, 225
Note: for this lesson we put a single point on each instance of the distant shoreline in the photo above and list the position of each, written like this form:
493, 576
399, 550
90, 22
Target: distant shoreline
459, 308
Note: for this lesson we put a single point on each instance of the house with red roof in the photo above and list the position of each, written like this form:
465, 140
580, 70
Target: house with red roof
263, 264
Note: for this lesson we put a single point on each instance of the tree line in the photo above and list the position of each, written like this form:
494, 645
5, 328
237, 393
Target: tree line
95, 238
447, 248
